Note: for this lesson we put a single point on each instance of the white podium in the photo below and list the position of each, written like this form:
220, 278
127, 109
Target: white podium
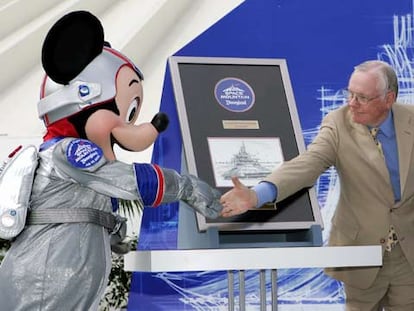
241, 259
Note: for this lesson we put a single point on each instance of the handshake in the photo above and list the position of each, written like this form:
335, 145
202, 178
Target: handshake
206, 200
170, 186
196, 193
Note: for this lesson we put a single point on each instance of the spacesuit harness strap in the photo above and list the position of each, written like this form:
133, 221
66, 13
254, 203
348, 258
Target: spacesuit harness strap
75, 215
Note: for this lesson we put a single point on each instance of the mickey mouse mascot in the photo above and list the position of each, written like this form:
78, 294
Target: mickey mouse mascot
90, 98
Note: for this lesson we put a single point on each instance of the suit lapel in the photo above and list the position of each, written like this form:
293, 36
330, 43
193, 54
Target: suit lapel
404, 123
367, 146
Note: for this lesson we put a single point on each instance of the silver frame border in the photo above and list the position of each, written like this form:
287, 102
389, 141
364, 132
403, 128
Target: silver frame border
174, 62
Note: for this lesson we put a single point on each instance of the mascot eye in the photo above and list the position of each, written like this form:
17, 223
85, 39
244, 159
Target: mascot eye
132, 110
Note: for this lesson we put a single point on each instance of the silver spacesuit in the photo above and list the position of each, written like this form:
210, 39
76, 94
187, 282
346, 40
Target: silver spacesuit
90, 99
66, 265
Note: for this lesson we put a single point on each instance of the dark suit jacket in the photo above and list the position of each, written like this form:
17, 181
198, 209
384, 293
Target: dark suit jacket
366, 208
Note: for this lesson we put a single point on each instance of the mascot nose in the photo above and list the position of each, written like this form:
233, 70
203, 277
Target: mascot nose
160, 121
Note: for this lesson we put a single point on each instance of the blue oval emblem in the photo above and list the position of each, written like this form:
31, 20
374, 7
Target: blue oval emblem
82, 153
84, 90
234, 94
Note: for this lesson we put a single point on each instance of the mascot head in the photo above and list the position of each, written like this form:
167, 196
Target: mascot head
91, 90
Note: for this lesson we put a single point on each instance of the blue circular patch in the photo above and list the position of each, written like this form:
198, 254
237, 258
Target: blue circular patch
234, 94
82, 153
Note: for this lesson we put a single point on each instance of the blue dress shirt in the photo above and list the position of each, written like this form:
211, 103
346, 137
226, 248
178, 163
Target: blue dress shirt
386, 136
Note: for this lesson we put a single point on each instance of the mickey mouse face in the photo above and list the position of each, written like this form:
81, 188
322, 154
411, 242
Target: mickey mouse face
81, 72
90, 88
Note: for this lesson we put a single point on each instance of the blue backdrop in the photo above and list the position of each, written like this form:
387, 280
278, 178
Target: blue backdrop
321, 40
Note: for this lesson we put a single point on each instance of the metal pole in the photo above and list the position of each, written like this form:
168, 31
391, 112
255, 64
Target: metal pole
242, 292
262, 290
274, 289
230, 288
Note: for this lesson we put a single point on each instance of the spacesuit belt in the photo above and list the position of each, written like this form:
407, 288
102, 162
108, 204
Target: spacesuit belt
72, 215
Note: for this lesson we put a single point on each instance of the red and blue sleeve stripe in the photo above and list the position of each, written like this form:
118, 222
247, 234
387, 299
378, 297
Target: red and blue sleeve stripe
150, 183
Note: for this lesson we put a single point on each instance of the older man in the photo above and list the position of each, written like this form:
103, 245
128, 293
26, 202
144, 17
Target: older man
370, 143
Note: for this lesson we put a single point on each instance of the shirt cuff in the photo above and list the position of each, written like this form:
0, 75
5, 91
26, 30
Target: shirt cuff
266, 192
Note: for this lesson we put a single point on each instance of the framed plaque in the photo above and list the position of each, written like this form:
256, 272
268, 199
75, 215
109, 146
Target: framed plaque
238, 118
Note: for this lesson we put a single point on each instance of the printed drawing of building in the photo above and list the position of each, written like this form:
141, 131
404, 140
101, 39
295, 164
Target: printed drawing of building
245, 165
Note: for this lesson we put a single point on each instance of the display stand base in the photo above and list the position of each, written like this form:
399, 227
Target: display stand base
189, 237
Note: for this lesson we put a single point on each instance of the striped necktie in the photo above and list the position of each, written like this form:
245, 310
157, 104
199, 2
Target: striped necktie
392, 238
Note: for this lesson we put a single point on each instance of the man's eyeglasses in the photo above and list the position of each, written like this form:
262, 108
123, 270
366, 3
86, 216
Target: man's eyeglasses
362, 99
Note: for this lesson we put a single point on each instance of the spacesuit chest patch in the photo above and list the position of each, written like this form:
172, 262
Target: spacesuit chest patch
82, 153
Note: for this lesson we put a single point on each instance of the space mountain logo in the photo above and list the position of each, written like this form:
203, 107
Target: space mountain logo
234, 94
82, 153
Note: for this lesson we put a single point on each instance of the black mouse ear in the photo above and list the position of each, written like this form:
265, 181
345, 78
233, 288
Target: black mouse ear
71, 44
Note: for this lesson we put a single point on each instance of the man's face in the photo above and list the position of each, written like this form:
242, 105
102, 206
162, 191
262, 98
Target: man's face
368, 103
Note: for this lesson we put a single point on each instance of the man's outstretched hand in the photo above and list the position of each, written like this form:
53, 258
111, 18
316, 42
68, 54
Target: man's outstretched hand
237, 200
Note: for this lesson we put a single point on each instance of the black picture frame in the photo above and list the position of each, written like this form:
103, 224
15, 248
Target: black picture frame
236, 99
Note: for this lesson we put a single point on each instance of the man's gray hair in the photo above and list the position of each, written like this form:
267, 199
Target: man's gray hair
385, 72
